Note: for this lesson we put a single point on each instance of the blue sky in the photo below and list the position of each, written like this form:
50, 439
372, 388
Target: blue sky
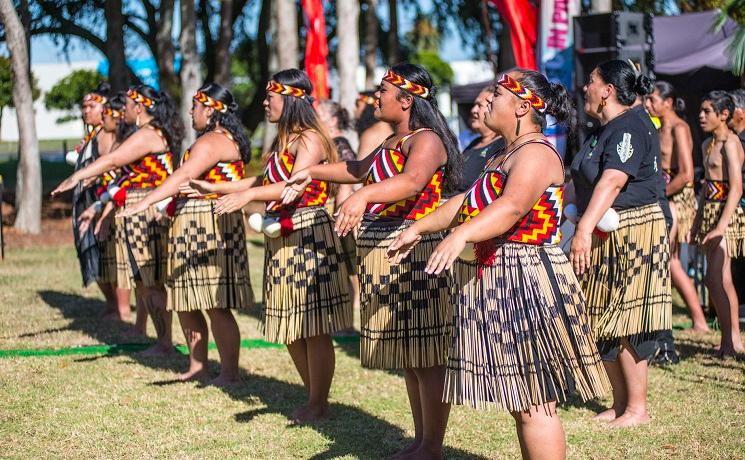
43, 49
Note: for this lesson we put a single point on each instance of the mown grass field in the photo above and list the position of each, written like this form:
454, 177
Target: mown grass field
125, 406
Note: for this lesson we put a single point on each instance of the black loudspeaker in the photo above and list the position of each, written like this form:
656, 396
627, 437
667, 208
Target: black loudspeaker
602, 37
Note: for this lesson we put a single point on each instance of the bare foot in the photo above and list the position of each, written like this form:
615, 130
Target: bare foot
728, 352
196, 375
311, 414
222, 381
700, 329
134, 332
158, 350
297, 412
423, 454
407, 450
607, 415
629, 419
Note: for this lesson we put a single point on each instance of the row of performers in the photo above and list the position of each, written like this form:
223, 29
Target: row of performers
489, 313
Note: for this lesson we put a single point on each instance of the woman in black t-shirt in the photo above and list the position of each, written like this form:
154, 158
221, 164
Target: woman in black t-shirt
624, 273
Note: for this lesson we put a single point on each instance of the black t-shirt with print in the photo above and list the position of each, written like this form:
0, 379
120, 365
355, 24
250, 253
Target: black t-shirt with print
628, 144
474, 160
664, 203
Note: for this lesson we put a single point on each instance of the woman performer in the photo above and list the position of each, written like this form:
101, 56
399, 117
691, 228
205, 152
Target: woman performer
405, 313
305, 277
625, 273
676, 146
720, 222
336, 121
207, 258
148, 155
371, 131
522, 341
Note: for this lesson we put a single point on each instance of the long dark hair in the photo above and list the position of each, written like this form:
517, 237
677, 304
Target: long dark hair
228, 119
558, 103
720, 101
367, 117
426, 114
299, 115
628, 82
166, 116
666, 90
123, 130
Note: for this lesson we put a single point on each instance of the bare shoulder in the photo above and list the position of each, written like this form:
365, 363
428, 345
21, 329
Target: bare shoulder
539, 158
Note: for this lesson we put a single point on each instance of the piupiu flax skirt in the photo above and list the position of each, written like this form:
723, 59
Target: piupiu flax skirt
521, 334
305, 280
406, 314
709, 214
627, 286
141, 244
207, 259
685, 211
108, 250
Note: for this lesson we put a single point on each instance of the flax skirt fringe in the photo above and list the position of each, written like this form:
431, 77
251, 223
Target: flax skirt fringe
207, 259
406, 314
110, 260
141, 244
685, 212
735, 234
305, 280
628, 287
521, 334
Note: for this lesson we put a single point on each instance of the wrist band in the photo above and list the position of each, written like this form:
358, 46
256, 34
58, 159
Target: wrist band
98, 206
105, 197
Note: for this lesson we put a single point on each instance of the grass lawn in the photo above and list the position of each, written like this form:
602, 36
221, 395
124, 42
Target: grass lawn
126, 406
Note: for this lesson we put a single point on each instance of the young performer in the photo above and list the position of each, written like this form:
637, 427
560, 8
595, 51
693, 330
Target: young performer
148, 155
720, 222
207, 258
625, 273
522, 341
405, 313
676, 146
336, 121
305, 277
371, 131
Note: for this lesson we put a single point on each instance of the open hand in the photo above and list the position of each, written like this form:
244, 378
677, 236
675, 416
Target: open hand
295, 186
445, 253
199, 187
233, 201
85, 219
140, 206
65, 185
349, 215
400, 247
579, 254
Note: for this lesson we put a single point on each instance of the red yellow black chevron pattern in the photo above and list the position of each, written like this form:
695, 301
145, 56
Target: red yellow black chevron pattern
109, 112
223, 171
285, 90
406, 85
278, 169
140, 99
208, 101
150, 171
540, 226
716, 190
523, 92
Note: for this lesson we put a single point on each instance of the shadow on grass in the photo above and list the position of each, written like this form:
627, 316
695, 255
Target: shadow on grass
351, 431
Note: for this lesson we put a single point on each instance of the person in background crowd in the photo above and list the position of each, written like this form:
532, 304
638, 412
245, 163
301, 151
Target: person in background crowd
371, 131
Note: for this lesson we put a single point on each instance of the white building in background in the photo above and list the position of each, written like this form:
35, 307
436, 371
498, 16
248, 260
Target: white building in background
47, 75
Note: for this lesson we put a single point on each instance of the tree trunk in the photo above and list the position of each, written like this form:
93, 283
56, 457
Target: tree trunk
347, 52
252, 114
118, 75
286, 38
394, 48
28, 199
191, 77
166, 53
222, 50
26, 22
371, 43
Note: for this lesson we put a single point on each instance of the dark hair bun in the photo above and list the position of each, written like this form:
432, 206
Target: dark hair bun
559, 105
644, 85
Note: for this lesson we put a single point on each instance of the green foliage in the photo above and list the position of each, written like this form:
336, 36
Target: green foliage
441, 72
6, 84
67, 94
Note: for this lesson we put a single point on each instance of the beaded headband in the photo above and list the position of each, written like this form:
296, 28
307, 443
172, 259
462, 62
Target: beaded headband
369, 100
95, 97
140, 99
523, 92
210, 102
109, 112
285, 90
406, 85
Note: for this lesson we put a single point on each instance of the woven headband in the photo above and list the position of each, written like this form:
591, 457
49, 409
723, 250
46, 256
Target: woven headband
95, 97
140, 99
406, 85
285, 90
109, 112
369, 100
523, 92
210, 102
